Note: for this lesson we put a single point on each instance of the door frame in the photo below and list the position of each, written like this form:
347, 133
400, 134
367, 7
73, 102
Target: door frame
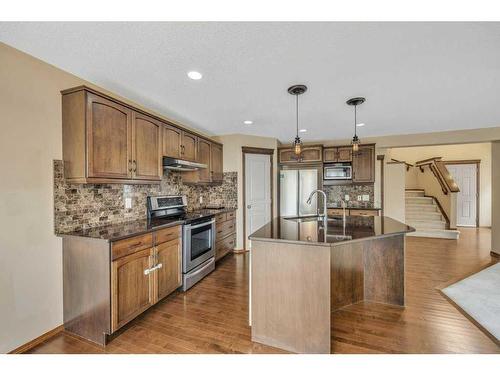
478, 180
259, 151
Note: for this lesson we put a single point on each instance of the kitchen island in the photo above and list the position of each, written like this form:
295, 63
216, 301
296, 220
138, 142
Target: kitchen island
303, 269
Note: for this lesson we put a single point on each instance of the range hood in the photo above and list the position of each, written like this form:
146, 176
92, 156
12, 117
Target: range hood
181, 165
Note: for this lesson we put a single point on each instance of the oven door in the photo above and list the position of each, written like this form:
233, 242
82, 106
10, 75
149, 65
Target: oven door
198, 244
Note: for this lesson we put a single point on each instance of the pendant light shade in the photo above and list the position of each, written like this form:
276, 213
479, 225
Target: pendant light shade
355, 140
297, 143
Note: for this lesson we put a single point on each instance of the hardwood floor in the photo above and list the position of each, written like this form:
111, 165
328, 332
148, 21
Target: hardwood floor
213, 316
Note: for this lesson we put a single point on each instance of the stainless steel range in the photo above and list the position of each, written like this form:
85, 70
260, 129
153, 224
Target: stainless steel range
198, 235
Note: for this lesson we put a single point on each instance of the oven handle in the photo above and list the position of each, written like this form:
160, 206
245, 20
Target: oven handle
202, 224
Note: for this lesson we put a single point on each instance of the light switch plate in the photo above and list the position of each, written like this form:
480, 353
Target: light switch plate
359, 197
346, 197
366, 197
128, 202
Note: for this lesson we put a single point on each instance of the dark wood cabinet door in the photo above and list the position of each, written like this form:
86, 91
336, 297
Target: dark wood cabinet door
344, 154
204, 153
108, 138
363, 164
312, 154
146, 158
189, 146
168, 276
131, 287
217, 163
330, 154
172, 138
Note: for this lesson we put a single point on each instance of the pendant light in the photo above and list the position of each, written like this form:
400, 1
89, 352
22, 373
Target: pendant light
355, 140
297, 90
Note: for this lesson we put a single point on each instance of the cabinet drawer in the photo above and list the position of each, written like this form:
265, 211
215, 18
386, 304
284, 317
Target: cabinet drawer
231, 215
225, 229
224, 246
131, 245
336, 211
364, 213
168, 234
219, 218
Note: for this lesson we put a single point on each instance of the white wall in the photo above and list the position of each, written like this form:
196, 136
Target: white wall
233, 161
481, 151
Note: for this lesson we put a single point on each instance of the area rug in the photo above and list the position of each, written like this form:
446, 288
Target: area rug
478, 297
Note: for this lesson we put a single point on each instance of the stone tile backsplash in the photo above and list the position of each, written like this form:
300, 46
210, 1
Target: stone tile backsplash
80, 206
337, 192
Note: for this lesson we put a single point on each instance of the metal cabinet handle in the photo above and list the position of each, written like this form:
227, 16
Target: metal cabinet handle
135, 165
158, 266
148, 271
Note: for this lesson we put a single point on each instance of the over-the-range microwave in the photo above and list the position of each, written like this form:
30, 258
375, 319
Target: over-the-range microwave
337, 171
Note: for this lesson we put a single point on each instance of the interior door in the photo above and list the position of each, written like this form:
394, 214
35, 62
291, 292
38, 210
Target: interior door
465, 175
257, 192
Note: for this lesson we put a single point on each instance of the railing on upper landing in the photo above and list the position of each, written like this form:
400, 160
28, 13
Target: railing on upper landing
440, 172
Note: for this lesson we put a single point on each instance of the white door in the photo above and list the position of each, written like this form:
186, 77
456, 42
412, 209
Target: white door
257, 193
465, 177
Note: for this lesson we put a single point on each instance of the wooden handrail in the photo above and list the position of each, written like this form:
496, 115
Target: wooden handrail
408, 165
440, 172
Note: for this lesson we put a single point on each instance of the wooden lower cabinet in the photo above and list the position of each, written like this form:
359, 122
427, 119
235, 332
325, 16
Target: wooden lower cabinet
169, 276
225, 237
108, 283
132, 287
353, 212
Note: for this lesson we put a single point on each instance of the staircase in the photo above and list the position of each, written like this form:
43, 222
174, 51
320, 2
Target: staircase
423, 214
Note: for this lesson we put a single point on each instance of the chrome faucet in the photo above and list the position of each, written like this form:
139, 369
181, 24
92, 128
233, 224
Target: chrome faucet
324, 196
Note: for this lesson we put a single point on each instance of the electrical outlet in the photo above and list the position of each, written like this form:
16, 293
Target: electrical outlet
346, 197
128, 202
359, 197
366, 197
201, 199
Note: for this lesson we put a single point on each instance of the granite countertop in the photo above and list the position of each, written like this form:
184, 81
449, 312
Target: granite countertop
312, 231
366, 206
115, 232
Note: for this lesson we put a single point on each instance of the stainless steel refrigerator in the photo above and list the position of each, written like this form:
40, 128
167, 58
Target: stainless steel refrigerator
295, 187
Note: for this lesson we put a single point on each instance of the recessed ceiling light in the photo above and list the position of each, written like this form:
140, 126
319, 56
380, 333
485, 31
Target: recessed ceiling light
362, 124
194, 75
303, 130
248, 122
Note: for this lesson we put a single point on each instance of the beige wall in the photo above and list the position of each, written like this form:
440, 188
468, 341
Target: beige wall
481, 151
495, 201
233, 161
30, 253
394, 191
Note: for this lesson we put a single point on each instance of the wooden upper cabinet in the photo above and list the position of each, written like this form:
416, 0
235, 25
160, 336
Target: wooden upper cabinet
204, 153
310, 154
131, 288
109, 137
216, 163
189, 146
172, 138
169, 276
146, 157
363, 164
344, 154
337, 154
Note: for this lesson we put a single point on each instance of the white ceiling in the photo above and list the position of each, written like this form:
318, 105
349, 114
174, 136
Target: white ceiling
417, 77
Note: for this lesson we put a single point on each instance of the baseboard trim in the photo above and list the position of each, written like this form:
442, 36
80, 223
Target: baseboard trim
495, 255
36, 341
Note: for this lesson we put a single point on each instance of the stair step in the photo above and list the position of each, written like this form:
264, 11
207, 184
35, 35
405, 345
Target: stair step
426, 224
419, 200
423, 215
414, 193
421, 207
436, 233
